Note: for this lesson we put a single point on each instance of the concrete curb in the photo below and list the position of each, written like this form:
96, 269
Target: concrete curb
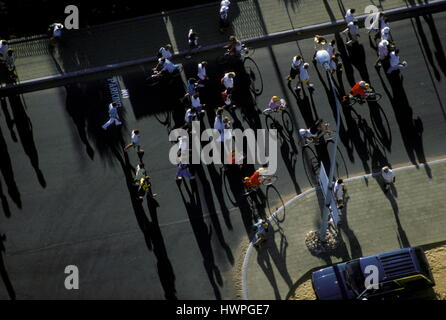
104, 71
298, 197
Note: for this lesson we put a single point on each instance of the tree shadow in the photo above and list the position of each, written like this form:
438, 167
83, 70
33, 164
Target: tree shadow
4, 272
203, 235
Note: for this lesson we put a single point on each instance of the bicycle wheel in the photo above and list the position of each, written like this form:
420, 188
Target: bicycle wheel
287, 121
269, 180
375, 96
311, 165
256, 80
163, 117
226, 183
276, 211
270, 122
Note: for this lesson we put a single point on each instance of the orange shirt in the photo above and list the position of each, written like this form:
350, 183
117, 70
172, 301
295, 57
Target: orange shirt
357, 90
255, 178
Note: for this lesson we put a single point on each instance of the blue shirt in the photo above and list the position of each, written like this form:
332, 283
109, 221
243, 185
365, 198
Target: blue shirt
169, 66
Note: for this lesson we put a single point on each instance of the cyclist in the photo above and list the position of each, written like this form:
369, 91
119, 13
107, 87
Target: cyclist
235, 47
255, 180
262, 229
314, 133
360, 90
276, 104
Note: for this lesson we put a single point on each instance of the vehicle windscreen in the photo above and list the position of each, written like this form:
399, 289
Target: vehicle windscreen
354, 277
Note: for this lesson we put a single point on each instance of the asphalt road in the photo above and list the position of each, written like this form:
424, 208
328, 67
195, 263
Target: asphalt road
64, 183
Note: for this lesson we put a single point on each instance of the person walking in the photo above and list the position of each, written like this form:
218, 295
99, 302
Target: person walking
388, 177
165, 52
114, 116
383, 53
202, 74
340, 191
352, 32
192, 39
228, 81
350, 15
135, 142
295, 67
304, 78
223, 18
395, 64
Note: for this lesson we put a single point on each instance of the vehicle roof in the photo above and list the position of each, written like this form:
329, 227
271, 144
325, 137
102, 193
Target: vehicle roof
392, 265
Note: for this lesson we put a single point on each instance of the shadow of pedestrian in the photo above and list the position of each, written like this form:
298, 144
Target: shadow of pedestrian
3, 271
150, 228
25, 131
9, 121
355, 247
203, 235
8, 176
269, 253
411, 128
210, 204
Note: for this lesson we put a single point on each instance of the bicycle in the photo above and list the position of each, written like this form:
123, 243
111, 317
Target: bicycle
307, 138
371, 96
271, 122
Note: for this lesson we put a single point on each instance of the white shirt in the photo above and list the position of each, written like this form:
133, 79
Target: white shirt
169, 66
394, 59
303, 74
338, 191
224, 12
330, 50
228, 82
383, 50
188, 116
353, 29
349, 17
387, 176
57, 31
201, 72
140, 173
165, 53
135, 138
183, 144
3, 50
195, 102
385, 35
295, 64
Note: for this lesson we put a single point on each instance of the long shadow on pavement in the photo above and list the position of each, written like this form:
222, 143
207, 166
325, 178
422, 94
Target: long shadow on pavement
3, 272
150, 229
203, 235
8, 176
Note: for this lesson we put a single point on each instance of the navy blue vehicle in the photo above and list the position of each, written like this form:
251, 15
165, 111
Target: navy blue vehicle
399, 272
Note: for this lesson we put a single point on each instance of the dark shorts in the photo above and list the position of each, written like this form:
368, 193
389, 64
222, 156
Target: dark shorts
293, 73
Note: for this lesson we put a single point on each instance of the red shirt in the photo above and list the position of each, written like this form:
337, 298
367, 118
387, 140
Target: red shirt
357, 90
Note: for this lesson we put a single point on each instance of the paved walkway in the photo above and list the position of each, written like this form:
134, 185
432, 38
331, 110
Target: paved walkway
375, 223
141, 38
